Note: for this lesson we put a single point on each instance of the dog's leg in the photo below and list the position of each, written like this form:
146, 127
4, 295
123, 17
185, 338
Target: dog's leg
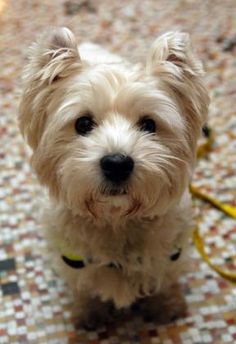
90, 312
165, 306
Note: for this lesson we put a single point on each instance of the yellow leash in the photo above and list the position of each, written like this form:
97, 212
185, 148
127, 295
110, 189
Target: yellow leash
199, 244
206, 146
225, 208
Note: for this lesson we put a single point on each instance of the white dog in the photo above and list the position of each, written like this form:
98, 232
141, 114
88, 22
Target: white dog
115, 145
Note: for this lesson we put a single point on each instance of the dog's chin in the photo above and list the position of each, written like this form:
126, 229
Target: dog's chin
113, 203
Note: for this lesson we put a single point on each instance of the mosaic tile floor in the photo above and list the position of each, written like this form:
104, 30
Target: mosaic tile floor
35, 305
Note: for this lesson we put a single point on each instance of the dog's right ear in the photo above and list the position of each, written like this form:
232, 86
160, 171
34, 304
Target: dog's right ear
55, 55
51, 59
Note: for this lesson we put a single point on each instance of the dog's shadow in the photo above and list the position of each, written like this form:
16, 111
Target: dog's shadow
133, 317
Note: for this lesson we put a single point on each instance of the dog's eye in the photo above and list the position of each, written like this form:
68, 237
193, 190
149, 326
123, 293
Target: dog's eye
147, 124
84, 124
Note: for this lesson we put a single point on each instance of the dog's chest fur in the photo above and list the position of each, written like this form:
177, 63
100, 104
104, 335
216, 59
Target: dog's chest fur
141, 251
139, 245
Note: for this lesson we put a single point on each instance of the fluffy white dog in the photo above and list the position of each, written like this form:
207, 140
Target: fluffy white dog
115, 145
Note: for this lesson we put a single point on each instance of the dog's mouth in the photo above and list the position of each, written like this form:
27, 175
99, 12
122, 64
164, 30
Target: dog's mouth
114, 192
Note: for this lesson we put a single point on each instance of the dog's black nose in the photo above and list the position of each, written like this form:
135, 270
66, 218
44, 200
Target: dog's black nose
117, 167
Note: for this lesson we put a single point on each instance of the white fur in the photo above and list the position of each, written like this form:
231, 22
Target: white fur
63, 82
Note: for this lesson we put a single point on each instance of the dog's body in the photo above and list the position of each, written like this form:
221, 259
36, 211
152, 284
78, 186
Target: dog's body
115, 145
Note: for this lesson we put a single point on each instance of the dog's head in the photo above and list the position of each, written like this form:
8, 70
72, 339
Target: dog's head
109, 140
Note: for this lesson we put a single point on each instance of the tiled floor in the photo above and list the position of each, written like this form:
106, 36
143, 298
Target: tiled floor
34, 303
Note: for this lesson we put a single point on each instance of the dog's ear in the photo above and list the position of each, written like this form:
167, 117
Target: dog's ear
54, 56
173, 62
52, 59
175, 48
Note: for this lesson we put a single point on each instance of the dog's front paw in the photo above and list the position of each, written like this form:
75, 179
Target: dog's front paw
164, 307
94, 314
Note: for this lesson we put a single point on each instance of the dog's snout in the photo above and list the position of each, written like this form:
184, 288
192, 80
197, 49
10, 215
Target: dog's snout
117, 167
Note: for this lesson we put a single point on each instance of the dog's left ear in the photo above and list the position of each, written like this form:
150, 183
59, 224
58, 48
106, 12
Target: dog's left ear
174, 47
173, 62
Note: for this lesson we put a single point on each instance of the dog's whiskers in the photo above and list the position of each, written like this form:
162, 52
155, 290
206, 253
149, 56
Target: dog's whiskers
171, 157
